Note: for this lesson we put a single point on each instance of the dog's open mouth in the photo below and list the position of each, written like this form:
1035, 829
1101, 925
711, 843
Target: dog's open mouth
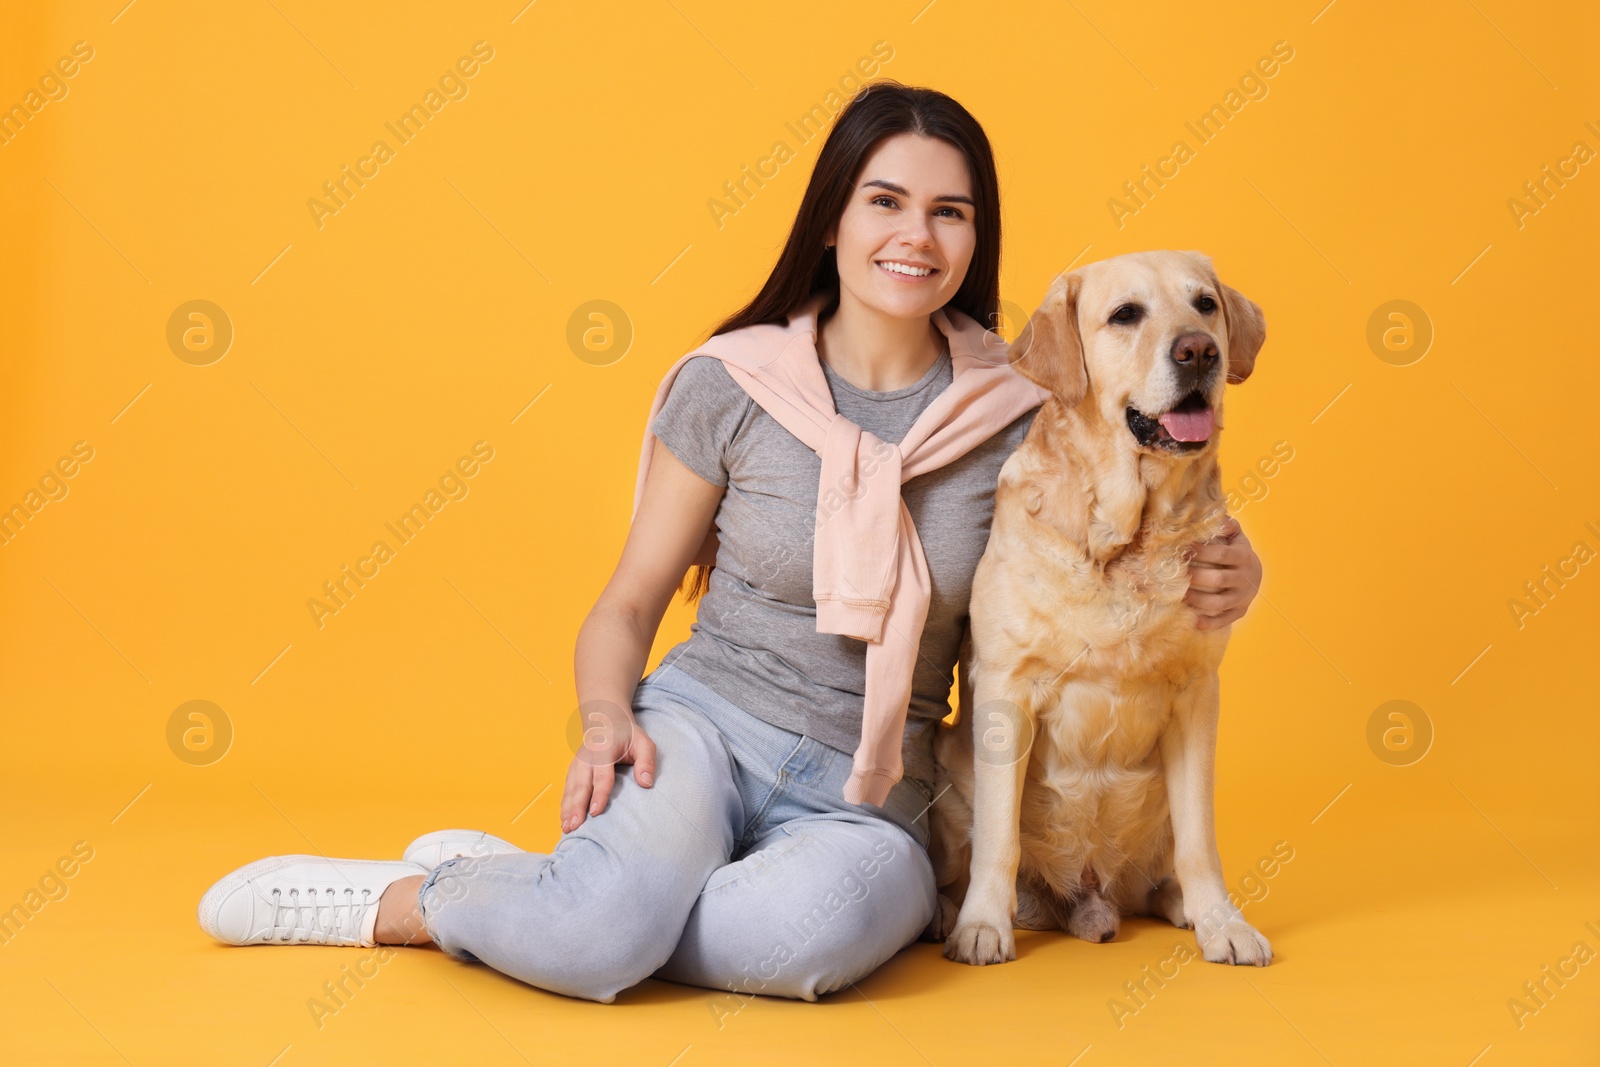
1187, 427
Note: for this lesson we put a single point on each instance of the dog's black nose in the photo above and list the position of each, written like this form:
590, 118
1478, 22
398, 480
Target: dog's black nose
1195, 351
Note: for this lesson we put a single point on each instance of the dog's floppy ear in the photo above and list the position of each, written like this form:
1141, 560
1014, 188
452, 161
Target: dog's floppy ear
1049, 351
1247, 332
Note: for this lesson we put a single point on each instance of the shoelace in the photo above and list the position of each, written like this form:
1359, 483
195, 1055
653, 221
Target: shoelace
316, 929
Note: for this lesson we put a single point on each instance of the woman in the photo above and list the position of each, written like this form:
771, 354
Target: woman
740, 865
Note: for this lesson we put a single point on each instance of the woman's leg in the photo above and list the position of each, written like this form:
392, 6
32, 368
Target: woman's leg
822, 900
606, 907
399, 921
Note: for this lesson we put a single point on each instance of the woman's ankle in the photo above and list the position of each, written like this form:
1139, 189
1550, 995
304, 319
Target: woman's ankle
399, 919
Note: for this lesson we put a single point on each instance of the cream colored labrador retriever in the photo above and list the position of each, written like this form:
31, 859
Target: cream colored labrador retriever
1079, 777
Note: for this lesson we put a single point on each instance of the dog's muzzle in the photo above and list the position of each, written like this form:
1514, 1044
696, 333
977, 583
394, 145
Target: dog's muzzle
1186, 427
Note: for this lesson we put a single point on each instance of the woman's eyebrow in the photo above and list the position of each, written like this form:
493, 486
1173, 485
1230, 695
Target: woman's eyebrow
893, 188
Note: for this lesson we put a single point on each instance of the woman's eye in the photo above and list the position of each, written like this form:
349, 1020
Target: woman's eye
884, 200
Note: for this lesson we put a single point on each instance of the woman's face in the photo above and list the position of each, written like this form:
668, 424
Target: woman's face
908, 230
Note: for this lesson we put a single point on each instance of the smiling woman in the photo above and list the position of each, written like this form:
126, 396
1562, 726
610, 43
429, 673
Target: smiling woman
904, 253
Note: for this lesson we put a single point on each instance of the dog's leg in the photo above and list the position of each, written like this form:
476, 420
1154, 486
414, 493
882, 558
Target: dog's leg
943, 921
944, 911
1161, 896
1003, 731
948, 825
1189, 748
1037, 907
1165, 901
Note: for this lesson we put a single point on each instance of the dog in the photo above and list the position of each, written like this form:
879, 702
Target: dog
1076, 786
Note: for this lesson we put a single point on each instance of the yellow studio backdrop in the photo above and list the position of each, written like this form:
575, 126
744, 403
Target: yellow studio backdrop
243, 342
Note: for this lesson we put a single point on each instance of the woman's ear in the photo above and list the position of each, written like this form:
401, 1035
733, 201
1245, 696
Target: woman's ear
1049, 351
1247, 332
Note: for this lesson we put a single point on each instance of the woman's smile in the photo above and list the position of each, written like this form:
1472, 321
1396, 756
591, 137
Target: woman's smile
907, 271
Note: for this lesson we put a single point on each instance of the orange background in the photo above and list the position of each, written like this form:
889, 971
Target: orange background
432, 311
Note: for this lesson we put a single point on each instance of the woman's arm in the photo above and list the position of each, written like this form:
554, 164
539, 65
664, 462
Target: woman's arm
614, 641
1224, 576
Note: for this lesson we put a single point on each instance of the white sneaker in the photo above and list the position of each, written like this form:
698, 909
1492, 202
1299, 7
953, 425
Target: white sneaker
300, 900
430, 850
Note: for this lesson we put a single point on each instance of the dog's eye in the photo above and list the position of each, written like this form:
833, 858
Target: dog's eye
1127, 313
1205, 303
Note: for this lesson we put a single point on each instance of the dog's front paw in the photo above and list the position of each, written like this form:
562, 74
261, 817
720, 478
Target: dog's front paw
1225, 937
981, 942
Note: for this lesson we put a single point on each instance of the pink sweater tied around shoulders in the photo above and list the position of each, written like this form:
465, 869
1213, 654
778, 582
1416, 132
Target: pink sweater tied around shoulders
870, 577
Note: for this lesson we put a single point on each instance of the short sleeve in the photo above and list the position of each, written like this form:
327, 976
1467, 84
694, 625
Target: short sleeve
702, 412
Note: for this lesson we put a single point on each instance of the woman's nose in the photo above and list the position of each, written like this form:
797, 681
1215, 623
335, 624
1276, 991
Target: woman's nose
916, 234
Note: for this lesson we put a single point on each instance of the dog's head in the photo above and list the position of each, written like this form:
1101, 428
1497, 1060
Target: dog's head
1148, 339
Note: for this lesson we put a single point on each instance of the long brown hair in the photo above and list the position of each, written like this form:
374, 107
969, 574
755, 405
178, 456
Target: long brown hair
880, 110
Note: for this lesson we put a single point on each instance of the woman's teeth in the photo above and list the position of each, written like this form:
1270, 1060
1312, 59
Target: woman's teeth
901, 268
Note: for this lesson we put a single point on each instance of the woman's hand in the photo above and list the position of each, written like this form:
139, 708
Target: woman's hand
1224, 576
610, 736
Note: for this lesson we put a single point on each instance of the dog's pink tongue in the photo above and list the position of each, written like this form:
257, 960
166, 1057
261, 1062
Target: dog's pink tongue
1188, 425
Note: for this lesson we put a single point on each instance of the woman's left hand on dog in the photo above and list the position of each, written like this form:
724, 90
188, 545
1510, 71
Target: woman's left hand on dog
1224, 576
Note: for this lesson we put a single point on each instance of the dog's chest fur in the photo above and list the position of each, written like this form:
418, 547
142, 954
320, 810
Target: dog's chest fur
1096, 632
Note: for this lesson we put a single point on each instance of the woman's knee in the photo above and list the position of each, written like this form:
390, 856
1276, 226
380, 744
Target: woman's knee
889, 885
873, 899
594, 960
608, 965
576, 921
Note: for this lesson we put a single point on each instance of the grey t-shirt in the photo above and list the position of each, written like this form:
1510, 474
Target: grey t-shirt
755, 642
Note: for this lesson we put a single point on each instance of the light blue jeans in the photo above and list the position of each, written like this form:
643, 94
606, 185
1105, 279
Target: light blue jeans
742, 868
